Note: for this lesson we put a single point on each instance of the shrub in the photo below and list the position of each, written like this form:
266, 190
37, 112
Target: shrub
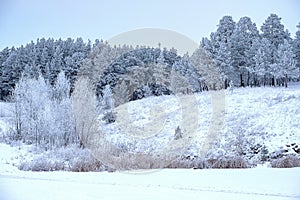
226, 163
188, 163
109, 117
70, 158
178, 133
126, 161
286, 162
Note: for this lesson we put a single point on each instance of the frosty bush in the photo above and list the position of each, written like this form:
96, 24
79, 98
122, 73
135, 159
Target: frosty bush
286, 162
230, 162
109, 117
188, 163
178, 133
71, 158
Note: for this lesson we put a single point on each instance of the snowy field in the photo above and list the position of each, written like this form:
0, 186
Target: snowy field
256, 183
269, 115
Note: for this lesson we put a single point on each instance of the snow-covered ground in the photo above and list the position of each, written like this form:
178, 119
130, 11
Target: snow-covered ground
263, 115
255, 183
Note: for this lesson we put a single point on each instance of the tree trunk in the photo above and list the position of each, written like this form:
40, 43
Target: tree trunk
241, 79
273, 81
248, 79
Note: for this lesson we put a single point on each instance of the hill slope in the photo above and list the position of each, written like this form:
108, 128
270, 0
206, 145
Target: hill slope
245, 122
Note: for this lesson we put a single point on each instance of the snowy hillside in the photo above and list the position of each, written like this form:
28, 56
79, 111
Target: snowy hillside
236, 122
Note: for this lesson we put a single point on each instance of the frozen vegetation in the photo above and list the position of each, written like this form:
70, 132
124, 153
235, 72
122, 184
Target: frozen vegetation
245, 184
255, 126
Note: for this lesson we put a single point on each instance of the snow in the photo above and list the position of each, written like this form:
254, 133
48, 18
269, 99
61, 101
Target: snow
255, 183
270, 115
266, 115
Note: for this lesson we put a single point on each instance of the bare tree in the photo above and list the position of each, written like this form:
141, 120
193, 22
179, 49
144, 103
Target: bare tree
84, 108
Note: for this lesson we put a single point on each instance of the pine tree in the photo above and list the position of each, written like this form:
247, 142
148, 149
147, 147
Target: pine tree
260, 69
296, 49
4, 54
224, 63
242, 40
286, 65
273, 30
219, 48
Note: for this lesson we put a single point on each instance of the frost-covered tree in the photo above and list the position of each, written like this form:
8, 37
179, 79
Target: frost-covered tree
242, 40
224, 31
107, 99
147, 91
159, 70
219, 48
121, 93
286, 65
62, 87
4, 54
178, 84
46, 57
273, 30
99, 60
210, 73
222, 36
296, 48
108, 105
260, 70
40, 116
84, 109
62, 111
32, 98
224, 63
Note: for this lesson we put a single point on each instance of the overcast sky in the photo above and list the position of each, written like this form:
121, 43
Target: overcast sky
24, 20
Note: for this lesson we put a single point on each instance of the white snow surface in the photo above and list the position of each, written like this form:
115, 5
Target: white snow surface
255, 183
268, 116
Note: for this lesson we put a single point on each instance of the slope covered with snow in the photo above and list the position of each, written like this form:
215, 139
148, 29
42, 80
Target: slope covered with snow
215, 123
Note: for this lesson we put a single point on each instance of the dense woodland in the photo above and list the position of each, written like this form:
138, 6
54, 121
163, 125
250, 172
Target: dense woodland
236, 52
249, 57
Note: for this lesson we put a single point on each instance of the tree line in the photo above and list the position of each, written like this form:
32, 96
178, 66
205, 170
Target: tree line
237, 53
249, 57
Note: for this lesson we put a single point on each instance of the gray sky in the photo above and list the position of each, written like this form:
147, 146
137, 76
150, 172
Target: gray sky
24, 20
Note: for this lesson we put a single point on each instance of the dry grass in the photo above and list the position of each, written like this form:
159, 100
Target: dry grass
228, 163
286, 162
64, 159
